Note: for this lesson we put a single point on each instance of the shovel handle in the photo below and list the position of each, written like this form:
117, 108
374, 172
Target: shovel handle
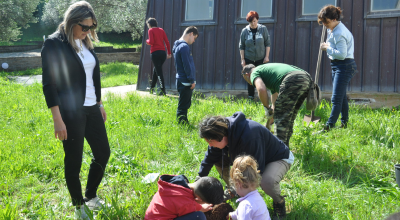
320, 55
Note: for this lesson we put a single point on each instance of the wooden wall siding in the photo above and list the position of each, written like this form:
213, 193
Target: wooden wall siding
293, 41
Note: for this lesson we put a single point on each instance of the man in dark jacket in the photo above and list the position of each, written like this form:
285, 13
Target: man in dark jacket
185, 72
233, 136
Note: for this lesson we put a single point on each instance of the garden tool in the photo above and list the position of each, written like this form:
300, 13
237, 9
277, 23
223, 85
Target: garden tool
312, 117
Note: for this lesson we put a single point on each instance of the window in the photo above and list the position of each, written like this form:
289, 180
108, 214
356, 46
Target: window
199, 10
262, 7
312, 7
385, 5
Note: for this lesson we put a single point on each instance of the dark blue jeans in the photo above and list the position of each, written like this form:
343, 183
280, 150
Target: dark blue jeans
194, 215
185, 101
342, 72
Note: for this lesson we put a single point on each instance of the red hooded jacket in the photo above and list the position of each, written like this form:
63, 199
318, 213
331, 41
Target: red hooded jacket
171, 201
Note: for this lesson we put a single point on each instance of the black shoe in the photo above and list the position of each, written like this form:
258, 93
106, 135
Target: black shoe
162, 92
324, 130
279, 209
151, 91
343, 125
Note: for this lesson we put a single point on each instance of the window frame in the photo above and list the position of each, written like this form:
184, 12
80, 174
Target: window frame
262, 20
185, 22
369, 13
310, 17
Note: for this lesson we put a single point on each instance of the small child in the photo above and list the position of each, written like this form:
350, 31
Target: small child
246, 178
178, 199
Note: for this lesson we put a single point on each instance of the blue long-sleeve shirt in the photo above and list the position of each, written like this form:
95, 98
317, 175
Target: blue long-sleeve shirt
184, 64
341, 43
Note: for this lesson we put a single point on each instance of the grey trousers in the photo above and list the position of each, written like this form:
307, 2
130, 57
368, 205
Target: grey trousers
272, 176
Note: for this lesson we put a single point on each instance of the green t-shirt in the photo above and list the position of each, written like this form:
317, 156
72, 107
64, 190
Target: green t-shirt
272, 74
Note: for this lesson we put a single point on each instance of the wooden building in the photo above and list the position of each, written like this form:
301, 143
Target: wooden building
295, 37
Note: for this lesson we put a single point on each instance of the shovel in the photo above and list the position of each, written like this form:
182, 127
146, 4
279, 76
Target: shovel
312, 117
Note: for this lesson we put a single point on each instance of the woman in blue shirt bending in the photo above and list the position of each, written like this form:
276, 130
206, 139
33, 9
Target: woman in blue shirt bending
339, 46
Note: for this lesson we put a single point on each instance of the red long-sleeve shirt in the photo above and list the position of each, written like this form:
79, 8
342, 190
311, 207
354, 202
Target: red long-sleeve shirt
157, 37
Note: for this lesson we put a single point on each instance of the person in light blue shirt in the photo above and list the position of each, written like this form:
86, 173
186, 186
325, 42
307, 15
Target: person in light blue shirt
339, 47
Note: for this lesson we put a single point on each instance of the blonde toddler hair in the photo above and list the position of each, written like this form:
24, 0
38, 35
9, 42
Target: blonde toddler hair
244, 171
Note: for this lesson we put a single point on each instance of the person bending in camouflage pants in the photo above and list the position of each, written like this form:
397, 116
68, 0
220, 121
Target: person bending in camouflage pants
289, 87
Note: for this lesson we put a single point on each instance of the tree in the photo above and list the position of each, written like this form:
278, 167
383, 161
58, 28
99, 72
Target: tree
112, 15
14, 15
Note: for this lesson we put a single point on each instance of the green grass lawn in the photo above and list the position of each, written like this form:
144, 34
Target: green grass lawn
343, 174
112, 74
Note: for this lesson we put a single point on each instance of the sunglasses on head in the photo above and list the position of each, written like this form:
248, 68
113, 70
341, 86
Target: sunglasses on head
86, 28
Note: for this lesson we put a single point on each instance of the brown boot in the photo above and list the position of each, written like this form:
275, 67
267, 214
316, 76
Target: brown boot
279, 210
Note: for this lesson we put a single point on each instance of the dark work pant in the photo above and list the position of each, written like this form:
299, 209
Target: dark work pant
194, 215
158, 58
87, 122
250, 88
185, 101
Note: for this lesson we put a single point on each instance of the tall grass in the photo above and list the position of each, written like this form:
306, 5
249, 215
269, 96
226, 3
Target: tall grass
343, 174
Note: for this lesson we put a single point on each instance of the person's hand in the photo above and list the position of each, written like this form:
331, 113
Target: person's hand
269, 112
266, 60
103, 113
324, 46
169, 56
206, 207
193, 85
243, 63
60, 130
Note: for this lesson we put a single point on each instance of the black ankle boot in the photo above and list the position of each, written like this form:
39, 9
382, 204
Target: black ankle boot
279, 209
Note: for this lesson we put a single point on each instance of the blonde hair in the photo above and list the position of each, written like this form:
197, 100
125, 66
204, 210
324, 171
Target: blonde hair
244, 171
76, 13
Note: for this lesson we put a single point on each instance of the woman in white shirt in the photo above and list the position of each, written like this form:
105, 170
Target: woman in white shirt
339, 47
71, 86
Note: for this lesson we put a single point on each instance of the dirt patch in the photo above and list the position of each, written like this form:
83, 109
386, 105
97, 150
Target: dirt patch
219, 212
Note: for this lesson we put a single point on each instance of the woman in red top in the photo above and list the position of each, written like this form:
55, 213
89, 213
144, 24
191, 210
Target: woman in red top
157, 38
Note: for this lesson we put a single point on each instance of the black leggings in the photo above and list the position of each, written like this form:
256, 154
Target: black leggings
158, 58
250, 88
87, 123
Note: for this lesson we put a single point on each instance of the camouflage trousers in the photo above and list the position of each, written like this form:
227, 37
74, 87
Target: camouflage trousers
292, 93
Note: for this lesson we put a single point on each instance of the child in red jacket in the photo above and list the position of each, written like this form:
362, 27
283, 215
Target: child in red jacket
178, 199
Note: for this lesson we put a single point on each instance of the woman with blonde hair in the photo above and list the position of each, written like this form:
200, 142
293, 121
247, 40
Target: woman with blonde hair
71, 86
246, 179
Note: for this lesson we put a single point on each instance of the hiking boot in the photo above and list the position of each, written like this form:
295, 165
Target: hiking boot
95, 204
279, 209
82, 213
343, 125
229, 193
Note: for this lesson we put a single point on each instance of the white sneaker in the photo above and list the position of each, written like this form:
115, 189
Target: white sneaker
95, 204
82, 213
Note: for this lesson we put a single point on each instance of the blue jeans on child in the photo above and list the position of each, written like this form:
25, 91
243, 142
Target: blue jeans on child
342, 72
194, 215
